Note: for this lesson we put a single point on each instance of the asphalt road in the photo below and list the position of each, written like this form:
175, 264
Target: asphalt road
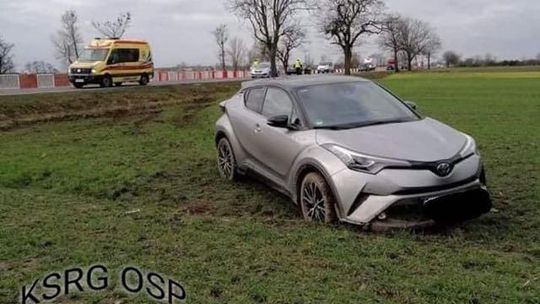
8, 92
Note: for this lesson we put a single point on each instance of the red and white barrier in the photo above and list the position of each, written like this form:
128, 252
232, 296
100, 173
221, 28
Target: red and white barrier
35, 81
9, 81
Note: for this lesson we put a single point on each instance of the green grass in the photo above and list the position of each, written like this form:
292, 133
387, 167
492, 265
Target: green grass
67, 188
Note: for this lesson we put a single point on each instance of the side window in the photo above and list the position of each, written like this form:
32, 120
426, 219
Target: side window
255, 98
277, 102
114, 57
128, 55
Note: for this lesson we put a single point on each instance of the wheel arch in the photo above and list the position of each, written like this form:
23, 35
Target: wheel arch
311, 167
219, 135
304, 170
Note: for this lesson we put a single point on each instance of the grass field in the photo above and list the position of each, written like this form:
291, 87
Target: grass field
128, 178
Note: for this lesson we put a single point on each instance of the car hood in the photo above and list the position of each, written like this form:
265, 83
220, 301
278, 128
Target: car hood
261, 71
424, 140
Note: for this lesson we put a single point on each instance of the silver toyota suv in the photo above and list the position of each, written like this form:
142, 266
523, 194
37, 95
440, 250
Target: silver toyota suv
346, 149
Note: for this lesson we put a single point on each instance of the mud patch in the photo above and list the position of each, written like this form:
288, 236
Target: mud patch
198, 207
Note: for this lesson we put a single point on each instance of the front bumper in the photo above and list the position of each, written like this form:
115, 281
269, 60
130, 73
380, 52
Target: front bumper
411, 198
260, 75
85, 79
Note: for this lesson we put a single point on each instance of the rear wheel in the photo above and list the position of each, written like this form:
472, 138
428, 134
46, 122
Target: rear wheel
144, 80
226, 160
316, 199
107, 82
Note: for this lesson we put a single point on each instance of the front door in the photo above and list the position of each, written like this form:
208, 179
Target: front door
276, 148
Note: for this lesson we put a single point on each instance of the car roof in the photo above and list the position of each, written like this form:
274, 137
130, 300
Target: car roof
292, 82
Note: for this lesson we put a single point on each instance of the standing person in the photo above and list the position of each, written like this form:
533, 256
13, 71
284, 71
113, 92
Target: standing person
298, 66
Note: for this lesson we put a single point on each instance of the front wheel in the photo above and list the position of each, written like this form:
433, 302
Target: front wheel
226, 160
144, 80
316, 199
107, 82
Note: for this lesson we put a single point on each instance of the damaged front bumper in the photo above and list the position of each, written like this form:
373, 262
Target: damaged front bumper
411, 198
461, 203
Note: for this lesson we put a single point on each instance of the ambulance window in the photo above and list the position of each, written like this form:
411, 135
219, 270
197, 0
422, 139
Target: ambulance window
128, 55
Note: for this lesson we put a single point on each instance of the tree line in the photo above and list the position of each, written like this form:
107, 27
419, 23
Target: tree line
277, 30
345, 23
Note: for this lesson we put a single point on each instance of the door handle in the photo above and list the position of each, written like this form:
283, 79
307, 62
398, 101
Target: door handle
257, 128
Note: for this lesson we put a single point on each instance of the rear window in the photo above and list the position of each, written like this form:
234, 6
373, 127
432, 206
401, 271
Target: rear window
255, 99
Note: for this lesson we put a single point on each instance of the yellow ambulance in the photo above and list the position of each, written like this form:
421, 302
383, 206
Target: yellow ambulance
109, 62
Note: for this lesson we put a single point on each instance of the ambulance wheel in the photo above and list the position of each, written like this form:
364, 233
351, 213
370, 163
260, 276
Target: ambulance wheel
107, 82
144, 80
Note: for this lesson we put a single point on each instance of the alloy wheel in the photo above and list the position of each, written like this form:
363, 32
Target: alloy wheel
226, 161
313, 202
317, 200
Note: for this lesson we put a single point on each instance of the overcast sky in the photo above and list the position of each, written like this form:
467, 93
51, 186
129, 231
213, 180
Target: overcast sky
180, 30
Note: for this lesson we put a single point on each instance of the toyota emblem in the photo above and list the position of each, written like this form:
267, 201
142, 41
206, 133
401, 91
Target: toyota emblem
444, 169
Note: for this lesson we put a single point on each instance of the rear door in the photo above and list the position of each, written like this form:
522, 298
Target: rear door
246, 119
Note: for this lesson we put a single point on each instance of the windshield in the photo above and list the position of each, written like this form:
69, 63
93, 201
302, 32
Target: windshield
350, 105
94, 55
263, 65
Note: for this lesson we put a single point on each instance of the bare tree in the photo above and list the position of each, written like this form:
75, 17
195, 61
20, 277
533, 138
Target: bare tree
236, 52
451, 58
116, 28
345, 21
293, 39
390, 39
416, 36
221, 34
68, 39
270, 21
433, 45
6, 57
40, 67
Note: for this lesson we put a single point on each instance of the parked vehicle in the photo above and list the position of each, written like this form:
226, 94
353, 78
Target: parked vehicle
109, 62
346, 149
325, 67
290, 70
368, 67
261, 70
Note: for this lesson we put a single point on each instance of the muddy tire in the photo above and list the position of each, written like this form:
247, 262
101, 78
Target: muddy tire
226, 161
317, 201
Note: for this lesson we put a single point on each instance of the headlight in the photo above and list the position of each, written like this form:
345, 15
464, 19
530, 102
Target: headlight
469, 148
93, 71
364, 163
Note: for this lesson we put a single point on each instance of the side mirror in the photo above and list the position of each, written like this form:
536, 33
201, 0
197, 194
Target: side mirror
280, 121
411, 104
